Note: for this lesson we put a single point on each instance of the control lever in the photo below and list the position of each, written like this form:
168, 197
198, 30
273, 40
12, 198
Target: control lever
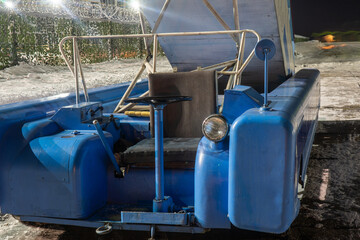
107, 147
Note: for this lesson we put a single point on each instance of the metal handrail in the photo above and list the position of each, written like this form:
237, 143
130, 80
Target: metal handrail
146, 64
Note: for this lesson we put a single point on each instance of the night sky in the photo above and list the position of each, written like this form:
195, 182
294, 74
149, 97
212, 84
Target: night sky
311, 16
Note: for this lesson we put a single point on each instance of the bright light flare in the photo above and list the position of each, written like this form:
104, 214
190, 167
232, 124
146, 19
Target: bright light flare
135, 5
9, 4
55, 3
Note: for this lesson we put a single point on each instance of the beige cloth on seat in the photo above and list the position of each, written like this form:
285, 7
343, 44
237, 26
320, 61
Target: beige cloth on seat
184, 119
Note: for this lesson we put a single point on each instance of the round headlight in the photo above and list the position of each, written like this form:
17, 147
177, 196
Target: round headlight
215, 128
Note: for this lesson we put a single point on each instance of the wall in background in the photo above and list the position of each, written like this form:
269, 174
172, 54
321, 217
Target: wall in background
35, 40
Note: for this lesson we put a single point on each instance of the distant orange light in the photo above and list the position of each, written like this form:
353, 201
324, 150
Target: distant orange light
329, 38
328, 47
332, 46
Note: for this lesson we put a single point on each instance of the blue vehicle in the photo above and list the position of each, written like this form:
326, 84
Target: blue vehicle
224, 140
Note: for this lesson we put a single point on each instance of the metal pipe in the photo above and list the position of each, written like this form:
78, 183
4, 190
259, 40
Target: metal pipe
87, 99
106, 146
266, 84
218, 65
236, 19
63, 54
139, 108
130, 105
161, 15
223, 72
237, 66
172, 34
236, 14
241, 59
159, 19
76, 71
142, 24
159, 152
131, 87
138, 113
219, 18
248, 59
149, 68
155, 49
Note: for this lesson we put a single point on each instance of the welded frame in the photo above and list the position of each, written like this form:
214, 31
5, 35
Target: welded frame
146, 64
238, 65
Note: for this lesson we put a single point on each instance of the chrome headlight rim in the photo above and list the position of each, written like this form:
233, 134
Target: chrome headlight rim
225, 123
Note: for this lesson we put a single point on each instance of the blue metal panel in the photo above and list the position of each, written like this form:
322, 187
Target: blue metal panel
238, 100
74, 116
263, 167
262, 183
65, 177
15, 149
134, 129
115, 224
179, 184
39, 128
211, 184
154, 218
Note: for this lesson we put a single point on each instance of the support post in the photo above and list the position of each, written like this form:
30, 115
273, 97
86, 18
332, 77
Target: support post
266, 80
130, 88
87, 99
76, 75
159, 153
155, 50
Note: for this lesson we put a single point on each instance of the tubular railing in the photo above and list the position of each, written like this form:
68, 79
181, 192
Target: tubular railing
237, 65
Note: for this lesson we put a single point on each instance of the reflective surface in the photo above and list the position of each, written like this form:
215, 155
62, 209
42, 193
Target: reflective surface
215, 128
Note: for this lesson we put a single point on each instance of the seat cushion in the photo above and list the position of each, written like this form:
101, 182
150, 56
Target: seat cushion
184, 119
178, 153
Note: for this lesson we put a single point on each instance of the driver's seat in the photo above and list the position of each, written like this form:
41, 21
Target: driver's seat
182, 121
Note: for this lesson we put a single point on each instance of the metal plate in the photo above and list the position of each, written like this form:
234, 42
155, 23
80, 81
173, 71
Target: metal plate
265, 44
154, 218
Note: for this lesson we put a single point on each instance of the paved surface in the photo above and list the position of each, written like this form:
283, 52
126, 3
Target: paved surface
340, 77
